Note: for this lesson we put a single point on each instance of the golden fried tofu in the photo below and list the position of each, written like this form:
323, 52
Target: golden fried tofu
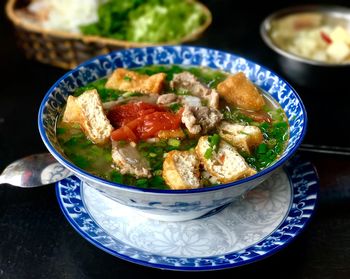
181, 170
239, 91
245, 138
87, 111
122, 79
226, 164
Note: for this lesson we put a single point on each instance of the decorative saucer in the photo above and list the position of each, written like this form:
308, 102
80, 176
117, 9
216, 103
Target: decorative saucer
250, 229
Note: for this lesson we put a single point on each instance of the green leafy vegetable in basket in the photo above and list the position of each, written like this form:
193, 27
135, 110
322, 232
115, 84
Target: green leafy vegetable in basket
147, 21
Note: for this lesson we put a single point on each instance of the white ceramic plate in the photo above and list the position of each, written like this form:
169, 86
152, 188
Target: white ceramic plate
260, 224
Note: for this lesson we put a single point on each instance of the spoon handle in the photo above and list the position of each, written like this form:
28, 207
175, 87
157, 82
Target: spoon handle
34, 170
54, 172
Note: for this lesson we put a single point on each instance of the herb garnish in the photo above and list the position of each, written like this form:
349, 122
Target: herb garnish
214, 142
106, 94
275, 136
175, 107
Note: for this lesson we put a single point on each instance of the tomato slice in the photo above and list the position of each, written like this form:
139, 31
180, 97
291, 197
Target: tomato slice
140, 120
124, 133
147, 126
157, 121
120, 115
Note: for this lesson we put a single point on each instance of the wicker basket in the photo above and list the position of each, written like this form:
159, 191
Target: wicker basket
66, 50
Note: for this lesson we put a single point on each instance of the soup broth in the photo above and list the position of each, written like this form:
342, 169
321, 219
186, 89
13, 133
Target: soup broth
97, 159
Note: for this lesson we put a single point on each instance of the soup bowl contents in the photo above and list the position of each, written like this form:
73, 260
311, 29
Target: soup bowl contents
174, 132
312, 42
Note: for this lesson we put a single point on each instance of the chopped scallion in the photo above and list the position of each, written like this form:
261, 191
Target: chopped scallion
174, 142
214, 142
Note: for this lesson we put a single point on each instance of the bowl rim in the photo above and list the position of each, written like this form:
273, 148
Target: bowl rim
322, 8
86, 175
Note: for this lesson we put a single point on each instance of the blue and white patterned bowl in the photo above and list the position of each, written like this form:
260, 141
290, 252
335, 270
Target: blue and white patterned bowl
171, 205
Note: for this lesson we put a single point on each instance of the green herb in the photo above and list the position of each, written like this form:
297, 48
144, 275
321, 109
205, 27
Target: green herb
122, 143
208, 153
146, 21
277, 115
214, 142
105, 93
262, 148
182, 92
157, 182
80, 161
83, 153
235, 116
142, 183
154, 69
275, 137
127, 78
174, 142
158, 172
204, 102
131, 94
60, 131
116, 177
209, 77
175, 107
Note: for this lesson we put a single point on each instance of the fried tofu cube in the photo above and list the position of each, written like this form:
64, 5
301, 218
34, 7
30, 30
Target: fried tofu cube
181, 170
226, 164
245, 138
239, 91
122, 79
87, 111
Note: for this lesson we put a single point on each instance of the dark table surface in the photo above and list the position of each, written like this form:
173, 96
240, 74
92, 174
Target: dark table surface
38, 242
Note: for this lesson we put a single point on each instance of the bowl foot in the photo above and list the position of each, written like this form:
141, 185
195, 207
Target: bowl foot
178, 217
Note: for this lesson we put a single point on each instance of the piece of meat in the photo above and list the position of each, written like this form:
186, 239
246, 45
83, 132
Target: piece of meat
200, 119
191, 101
171, 98
240, 92
127, 159
190, 121
122, 79
151, 99
190, 83
167, 99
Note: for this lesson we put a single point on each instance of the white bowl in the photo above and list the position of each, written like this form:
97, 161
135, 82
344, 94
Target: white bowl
171, 205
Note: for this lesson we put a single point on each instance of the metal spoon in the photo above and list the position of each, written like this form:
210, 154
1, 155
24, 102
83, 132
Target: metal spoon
33, 171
